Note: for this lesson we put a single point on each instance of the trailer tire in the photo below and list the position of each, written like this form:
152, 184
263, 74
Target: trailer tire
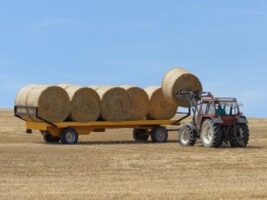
140, 135
240, 136
48, 138
159, 135
69, 136
28, 131
187, 136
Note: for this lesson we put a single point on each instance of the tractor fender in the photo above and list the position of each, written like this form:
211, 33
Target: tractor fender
242, 120
190, 125
217, 121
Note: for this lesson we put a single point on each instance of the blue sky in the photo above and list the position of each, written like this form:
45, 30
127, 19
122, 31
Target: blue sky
135, 42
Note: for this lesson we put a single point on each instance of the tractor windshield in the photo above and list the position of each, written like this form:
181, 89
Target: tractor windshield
226, 108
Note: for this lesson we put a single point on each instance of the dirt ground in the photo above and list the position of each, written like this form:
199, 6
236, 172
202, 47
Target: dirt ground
111, 166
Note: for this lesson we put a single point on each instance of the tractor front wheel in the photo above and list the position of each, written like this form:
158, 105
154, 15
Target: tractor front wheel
211, 134
240, 136
187, 136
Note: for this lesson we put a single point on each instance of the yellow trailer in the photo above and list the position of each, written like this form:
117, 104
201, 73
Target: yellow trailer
68, 132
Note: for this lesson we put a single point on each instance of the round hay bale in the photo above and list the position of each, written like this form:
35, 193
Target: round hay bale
179, 79
21, 101
159, 107
116, 104
95, 87
84, 103
140, 102
22, 94
64, 85
52, 102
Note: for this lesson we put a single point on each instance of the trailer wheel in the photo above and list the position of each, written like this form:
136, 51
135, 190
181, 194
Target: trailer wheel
211, 134
159, 135
140, 135
69, 136
187, 136
240, 136
48, 138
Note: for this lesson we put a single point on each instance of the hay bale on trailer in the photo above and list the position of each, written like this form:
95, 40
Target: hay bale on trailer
179, 79
159, 107
95, 87
52, 102
84, 103
116, 104
140, 102
21, 101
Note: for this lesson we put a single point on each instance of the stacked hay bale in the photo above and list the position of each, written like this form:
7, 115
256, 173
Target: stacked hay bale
52, 102
84, 101
159, 107
116, 104
84, 104
140, 102
179, 79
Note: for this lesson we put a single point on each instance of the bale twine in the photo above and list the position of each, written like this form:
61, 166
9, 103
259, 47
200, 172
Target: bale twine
179, 79
140, 102
159, 107
84, 103
52, 102
116, 104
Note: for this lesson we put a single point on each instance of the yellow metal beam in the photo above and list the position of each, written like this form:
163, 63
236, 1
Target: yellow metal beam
87, 127
117, 124
37, 125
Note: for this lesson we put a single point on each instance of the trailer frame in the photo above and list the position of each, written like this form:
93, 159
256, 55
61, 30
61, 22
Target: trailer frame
85, 128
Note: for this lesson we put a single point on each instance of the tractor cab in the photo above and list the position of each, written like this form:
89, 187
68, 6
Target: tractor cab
223, 110
222, 106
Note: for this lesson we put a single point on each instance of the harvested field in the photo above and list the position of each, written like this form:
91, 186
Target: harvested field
111, 166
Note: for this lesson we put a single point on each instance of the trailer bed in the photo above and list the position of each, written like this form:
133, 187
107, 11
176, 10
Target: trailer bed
142, 129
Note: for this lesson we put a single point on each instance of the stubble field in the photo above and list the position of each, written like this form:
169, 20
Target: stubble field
111, 166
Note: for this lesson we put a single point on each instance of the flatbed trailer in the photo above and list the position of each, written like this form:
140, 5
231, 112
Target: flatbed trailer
68, 132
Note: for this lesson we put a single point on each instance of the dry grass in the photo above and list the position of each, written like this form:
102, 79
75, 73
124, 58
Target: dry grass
102, 168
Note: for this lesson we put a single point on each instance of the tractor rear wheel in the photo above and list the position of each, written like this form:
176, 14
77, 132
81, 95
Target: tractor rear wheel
159, 135
187, 136
69, 136
240, 136
140, 135
211, 134
48, 138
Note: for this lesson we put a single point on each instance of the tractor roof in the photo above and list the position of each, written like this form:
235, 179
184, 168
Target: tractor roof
218, 99
226, 99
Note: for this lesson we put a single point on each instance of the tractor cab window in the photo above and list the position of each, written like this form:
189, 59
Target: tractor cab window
202, 108
231, 108
220, 109
210, 109
197, 110
206, 108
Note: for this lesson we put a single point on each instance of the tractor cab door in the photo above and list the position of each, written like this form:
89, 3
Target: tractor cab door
204, 110
201, 110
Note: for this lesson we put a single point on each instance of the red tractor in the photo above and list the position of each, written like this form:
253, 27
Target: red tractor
215, 121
